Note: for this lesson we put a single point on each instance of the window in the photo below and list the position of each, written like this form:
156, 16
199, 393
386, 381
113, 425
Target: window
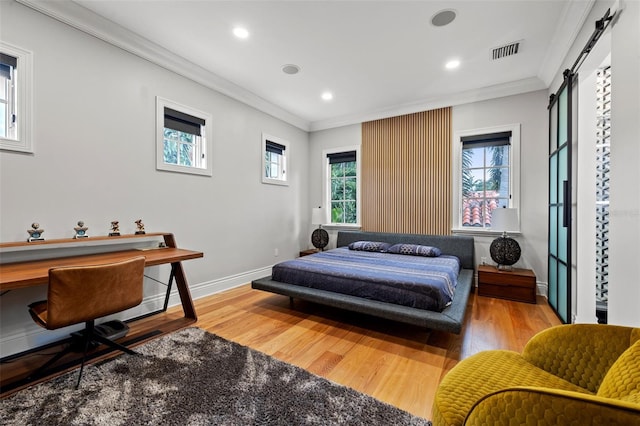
274, 160
15, 99
488, 175
183, 139
8, 96
603, 184
342, 183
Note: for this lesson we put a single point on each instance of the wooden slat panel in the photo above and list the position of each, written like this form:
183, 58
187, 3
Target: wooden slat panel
406, 173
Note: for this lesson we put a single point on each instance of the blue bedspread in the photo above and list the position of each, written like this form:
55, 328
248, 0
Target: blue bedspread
415, 281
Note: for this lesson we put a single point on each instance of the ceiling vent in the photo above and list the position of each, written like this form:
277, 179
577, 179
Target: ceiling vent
506, 50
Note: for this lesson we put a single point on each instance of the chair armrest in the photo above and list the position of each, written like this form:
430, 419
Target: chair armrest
543, 406
579, 353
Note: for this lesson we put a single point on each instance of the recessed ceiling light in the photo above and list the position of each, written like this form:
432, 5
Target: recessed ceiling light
452, 64
241, 32
290, 69
442, 18
327, 96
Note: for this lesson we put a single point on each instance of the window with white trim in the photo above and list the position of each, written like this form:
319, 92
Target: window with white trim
274, 160
342, 185
15, 98
488, 175
183, 139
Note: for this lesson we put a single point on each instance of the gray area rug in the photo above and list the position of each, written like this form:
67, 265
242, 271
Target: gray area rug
192, 377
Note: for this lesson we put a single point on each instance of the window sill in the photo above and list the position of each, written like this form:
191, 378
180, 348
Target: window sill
340, 227
483, 232
280, 182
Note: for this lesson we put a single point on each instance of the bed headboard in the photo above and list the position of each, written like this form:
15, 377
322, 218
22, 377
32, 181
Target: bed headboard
460, 246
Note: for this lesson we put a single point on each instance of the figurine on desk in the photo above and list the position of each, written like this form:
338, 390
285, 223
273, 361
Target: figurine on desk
140, 227
35, 234
115, 229
81, 230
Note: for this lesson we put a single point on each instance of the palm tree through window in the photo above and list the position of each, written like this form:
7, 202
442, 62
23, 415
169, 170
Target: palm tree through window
485, 177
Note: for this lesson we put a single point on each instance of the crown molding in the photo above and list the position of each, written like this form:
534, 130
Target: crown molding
571, 21
76, 16
66, 11
491, 92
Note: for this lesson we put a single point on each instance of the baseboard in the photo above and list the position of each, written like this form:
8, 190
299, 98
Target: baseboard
222, 284
542, 289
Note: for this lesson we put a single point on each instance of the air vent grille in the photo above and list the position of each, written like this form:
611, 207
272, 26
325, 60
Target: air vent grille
506, 50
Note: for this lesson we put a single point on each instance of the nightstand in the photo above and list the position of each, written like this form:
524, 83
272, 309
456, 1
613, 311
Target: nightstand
308, 252
518, 284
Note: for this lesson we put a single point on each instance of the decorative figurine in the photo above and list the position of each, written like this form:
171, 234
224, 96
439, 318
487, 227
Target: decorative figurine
140, 226
81, 230
115, 229
35, 234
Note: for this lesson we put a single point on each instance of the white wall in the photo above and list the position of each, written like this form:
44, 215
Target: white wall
623, 37
530, 111
94, 160
624, 209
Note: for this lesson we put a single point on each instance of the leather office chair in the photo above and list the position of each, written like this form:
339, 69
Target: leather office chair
84, 293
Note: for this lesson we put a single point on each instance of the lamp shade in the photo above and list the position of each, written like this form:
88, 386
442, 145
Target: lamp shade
504, 220
317, 216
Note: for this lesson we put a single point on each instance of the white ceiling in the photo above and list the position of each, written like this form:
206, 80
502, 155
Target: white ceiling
379, 58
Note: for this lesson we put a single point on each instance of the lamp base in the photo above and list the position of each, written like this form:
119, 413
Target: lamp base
320, 238
507, 268
505, 251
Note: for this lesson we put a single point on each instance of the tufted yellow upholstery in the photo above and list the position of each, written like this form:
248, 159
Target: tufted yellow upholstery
623, 379
572, 374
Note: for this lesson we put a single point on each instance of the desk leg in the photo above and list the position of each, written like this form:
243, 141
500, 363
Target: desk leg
181, 282
183, 290
166, 297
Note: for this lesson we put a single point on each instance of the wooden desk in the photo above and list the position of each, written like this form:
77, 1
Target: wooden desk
36, 272
23, 274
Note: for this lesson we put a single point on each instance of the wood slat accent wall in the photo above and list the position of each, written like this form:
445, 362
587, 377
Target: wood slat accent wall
406, 173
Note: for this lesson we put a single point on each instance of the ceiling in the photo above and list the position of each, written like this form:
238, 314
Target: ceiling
378, 58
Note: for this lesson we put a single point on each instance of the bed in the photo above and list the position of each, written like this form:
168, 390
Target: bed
433, 310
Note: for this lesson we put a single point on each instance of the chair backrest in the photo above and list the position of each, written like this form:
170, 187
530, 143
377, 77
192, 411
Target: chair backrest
623, 378
82, 293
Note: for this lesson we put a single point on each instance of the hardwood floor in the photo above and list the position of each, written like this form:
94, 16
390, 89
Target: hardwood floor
396, 363
393, 362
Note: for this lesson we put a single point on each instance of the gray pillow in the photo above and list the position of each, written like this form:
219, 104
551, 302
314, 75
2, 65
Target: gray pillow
415, 250
369, 246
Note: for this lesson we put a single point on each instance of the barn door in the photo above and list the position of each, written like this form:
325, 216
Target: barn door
560, 137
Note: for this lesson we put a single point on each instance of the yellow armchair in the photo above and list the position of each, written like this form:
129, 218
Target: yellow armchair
571, 374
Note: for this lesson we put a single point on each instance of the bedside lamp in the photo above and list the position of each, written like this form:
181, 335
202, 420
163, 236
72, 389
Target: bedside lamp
319, 237
505, 251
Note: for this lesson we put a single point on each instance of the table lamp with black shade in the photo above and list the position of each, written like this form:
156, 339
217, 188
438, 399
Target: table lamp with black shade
319, 237
504, 250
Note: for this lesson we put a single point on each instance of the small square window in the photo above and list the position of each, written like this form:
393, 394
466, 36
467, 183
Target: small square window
183, 139
274, 160
15, 98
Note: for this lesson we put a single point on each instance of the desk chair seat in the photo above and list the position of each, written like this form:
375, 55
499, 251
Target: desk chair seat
85, 293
